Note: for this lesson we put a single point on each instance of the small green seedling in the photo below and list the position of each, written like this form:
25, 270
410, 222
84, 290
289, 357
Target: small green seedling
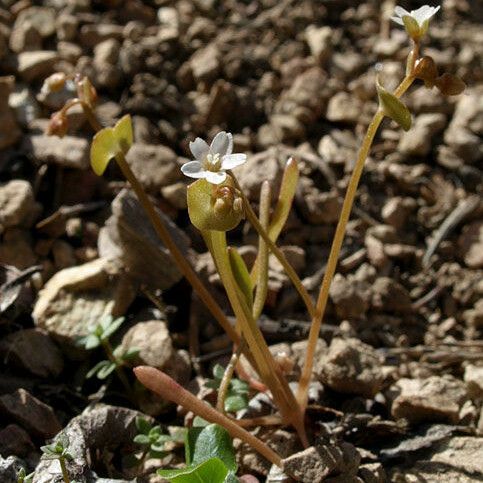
151, 439
22, 476
237, 394
59, 450
210, 457
116, 358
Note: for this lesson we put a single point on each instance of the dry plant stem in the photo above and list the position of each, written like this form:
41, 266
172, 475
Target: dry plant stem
164, 235
63, 468
170, 390
252, 218
304, 381
262, 274
265, 363
271, 420
227, 376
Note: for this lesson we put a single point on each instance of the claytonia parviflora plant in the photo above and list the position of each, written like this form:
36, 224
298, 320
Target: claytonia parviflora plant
217, 204
213, 161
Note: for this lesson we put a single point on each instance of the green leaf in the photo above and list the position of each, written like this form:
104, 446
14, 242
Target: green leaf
241, 275
143, 425
235, 403
106, 370
96, 369
89, 341
201, 210
112, 327
210, 471
109, 142
240, 387
218, 371
130, 354
231, 478
393, 107
141, 439
214, 441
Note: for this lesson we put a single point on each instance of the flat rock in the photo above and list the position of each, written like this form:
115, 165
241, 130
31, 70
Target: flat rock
69, 151
36, 65
17, 203
433, 399
154, 165
352, 367
78, 296
35, 416
34, 351
129, 237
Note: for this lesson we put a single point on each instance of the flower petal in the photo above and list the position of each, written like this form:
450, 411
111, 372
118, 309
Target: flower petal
215, 177
400, 12
199, 148
193, 169
222, 144
231, 161
397, 20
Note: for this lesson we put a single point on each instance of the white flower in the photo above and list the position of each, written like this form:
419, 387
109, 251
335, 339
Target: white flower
421, 15
212, 162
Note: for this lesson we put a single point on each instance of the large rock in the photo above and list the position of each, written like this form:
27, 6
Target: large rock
129, 237
9, 467
433, 399
79, 296
351, 367
94, 430
35, 416
15, 440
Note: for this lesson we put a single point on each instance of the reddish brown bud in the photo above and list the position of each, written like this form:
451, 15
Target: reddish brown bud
449, 85
58, 124
426, 70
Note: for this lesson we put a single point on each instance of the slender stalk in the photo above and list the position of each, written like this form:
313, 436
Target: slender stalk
119, 370
63, 468
170, 390
252, 218
304, 381
281, 392
227, 377
262, 273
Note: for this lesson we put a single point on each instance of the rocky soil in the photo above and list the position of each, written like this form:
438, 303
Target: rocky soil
398, 385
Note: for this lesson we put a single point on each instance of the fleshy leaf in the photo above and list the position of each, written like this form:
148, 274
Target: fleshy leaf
235, 403
241, 274
209, 471
201, 208
394, 108
109, 142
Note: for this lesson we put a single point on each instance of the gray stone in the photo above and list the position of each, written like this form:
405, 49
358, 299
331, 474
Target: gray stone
17, 203
69, 151
343, 107
10, 132
433, 399
419, 139
42, 18
35, 416
474, 381
34, 351
319, 40
349, 304
352, 367
205, 63
390, 296
25, 37
129, 237
9, 467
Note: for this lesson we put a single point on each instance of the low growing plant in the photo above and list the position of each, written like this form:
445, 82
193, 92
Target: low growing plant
217, 204
59, 450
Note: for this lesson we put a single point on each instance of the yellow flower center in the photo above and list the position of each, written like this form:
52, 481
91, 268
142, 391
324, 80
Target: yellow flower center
212, 162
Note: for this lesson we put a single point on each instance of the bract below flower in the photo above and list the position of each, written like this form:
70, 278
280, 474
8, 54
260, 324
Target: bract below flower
416, 22
211, 162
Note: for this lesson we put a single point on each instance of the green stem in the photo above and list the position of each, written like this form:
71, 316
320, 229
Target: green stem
337, 244
119, 370
262, 272
252, 218
265, 363
63, 468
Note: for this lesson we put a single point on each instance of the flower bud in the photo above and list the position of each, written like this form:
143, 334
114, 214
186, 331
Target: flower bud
86, 91
426, 70
58, 124
413, 29
449, 85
